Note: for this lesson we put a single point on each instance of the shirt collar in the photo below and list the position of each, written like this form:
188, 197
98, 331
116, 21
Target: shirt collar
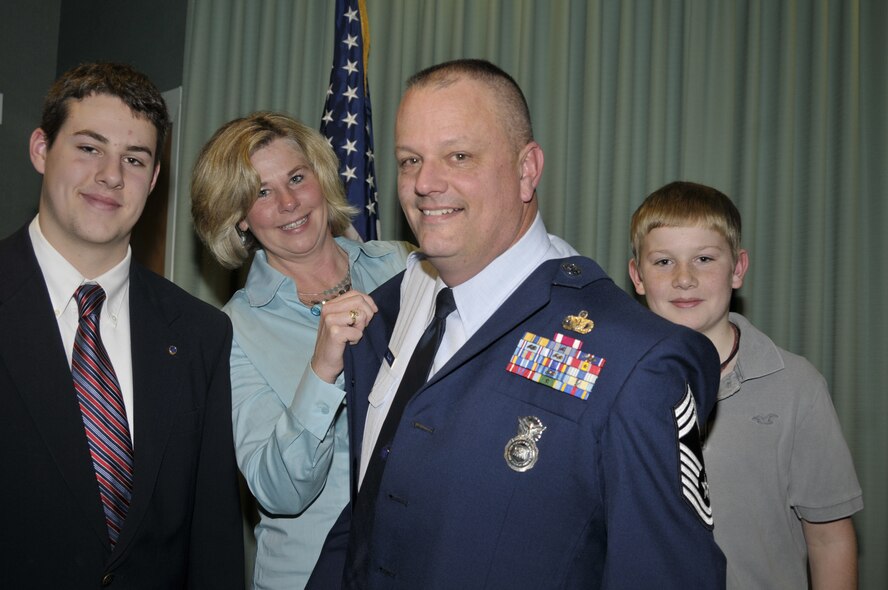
483, 294
758, 357
62, 279
264, 282
477, 298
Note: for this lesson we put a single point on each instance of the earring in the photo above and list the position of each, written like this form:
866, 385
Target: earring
242, 235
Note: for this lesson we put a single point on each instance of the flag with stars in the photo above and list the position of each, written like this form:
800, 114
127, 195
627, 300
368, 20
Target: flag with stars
346, 122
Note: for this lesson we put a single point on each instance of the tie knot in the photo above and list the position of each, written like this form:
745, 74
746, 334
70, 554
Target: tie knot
89, 299
444, 303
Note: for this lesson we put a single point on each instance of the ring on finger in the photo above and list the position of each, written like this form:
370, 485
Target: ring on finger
353, 316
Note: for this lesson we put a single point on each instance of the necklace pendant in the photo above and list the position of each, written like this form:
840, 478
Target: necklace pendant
315, 301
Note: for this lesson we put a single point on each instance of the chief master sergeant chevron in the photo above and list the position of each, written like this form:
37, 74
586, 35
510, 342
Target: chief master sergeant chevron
555, 443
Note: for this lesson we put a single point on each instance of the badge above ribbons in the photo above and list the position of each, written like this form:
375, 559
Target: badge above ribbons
557, 363
579, 323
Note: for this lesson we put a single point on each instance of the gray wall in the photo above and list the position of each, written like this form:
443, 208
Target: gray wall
149, 34
40, 39
29, 34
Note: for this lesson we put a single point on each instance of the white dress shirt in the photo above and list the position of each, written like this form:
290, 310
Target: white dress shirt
476, 301
62, 280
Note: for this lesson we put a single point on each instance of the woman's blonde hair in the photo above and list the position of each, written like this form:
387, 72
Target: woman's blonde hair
224, 184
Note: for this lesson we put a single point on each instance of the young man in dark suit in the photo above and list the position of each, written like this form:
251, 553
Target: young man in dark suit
554, 442
115, 434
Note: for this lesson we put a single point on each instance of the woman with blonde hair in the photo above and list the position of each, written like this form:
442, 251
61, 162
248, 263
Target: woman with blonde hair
268, 186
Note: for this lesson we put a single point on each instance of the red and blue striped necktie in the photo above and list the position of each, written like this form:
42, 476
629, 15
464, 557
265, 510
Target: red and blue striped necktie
104, 415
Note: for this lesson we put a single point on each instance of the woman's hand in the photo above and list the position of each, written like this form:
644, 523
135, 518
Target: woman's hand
342, 322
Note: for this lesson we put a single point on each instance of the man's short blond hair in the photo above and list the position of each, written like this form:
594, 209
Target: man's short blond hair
686, 204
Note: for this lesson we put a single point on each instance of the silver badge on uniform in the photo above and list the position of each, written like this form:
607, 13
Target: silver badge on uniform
521, 451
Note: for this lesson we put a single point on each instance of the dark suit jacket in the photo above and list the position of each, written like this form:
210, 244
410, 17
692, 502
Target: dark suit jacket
183, 529
605, 504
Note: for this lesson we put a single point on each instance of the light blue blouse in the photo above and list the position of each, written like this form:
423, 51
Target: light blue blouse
290, 427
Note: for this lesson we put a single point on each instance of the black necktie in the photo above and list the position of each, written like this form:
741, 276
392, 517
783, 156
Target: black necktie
415, 376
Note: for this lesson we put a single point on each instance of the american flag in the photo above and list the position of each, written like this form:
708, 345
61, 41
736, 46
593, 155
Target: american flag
346, 122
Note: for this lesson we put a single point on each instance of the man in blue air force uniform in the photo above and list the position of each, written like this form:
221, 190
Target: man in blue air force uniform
555, 443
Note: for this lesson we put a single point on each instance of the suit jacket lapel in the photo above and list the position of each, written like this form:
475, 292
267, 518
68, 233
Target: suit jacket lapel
362, 362
156, 382
36, 361
531, 296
